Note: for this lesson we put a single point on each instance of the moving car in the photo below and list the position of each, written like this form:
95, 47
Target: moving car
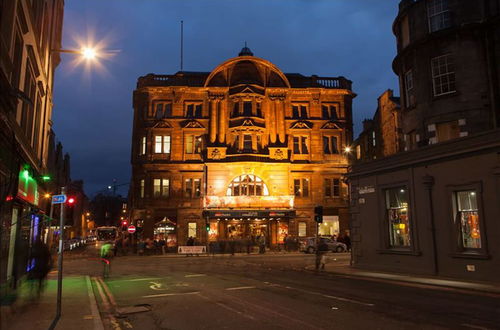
308, 245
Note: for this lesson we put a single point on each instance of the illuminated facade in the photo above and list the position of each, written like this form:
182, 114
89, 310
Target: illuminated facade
244, 150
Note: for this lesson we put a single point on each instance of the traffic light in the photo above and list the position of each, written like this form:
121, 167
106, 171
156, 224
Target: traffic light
124, 223
208, 227
71, 201
318, 214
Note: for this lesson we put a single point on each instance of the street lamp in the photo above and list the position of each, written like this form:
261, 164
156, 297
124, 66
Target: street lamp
87, 53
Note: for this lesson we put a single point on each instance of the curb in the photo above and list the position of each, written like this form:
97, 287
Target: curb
98, 325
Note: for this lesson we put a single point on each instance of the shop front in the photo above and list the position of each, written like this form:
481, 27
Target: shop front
249, 225
166, 229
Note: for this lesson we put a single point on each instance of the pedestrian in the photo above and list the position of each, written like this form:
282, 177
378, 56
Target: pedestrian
190, 241
106, 254
40, 262
248, 242
321, 250
141, 245
262, 244
347, 241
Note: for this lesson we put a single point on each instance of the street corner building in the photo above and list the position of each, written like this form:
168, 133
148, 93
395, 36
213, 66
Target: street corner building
425, 183
243, 151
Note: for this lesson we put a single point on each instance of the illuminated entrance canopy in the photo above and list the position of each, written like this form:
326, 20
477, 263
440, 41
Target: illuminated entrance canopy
274, 202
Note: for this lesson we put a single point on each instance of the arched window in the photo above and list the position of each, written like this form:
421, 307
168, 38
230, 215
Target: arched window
247, 185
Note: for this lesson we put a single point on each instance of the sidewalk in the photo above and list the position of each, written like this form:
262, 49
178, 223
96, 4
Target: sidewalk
79, 309
343, 268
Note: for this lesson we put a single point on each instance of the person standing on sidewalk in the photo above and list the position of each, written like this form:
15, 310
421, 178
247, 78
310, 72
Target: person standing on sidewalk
321, 250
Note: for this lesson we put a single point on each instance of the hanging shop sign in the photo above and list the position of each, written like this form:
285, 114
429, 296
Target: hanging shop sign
249, 201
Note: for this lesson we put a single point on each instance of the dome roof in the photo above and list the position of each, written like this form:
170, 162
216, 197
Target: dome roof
246, 69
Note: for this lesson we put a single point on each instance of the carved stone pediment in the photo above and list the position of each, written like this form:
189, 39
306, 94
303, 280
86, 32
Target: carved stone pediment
191, 124
162, 124
331, 125
302, 124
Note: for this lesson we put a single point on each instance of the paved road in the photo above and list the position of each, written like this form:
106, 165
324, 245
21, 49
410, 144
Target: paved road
274, 292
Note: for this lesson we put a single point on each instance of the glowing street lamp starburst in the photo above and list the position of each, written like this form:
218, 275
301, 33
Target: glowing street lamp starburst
89, 53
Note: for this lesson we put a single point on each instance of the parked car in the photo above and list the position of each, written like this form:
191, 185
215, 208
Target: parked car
308, 245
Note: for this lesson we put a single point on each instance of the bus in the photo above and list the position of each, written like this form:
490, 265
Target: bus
106, 233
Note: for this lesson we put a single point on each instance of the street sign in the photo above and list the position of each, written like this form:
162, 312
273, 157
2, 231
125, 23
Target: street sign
131, 229
59, 199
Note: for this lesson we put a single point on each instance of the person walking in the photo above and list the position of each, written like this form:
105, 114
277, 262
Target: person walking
106, 254
262, 244
321, 250
40, 262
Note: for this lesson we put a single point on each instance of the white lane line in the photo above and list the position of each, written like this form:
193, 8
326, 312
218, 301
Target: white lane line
93, 306
170, 294
246, 315
141, 279
472, 326
195, 275
348, 300
241, 288
323, 295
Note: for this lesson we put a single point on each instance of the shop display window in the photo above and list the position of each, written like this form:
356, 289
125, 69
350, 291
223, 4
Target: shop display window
397, 214
467, 219
282, 231
302, 229
213, 232
192, 229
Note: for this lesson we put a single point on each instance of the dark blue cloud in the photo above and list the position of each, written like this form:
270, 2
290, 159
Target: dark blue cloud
93, 112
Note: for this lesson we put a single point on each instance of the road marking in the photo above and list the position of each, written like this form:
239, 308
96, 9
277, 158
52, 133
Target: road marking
474, 326
195, 275
170, 294
156, 286
141, 279
348, 300
93, 306
108, 292
104, 299
241, 288
246, 315
323, 295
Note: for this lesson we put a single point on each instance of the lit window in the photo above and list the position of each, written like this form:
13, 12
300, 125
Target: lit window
329, 111
161, 187
330, 145
299, 111
439, 14
192, 188
141, 191
374, 139
443, 75
300, 145
162, 144
247, 185
193, 144
143, 146
301, 187
467, 219
409, 88
192, 229
332, 187
302, 229
398, 220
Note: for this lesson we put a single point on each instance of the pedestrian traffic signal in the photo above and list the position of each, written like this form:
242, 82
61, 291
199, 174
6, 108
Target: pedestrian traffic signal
318, 214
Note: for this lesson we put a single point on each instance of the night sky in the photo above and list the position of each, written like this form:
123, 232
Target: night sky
93, 112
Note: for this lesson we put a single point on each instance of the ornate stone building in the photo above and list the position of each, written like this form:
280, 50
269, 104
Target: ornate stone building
241, 151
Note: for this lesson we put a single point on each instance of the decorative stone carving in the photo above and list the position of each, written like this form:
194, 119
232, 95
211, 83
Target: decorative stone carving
302, 125
162, 124
278, 153
330, 125
192, 124
216, 153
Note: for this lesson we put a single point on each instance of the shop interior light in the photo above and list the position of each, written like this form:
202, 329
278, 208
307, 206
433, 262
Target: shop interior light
46, 177
47, 195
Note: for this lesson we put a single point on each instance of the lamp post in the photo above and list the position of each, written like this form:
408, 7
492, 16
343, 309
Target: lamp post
88, 54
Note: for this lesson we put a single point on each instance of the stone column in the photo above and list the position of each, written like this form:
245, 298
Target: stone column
213, 120
272, 121
280, 113
222, 105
